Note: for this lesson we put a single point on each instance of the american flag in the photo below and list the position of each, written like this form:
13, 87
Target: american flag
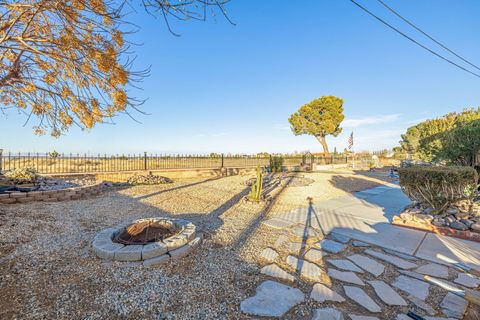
350, 141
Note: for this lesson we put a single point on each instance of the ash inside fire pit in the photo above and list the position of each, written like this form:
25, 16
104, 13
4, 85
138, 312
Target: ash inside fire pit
145, 232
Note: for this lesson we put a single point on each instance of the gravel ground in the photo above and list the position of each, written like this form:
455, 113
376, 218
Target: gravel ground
48, 269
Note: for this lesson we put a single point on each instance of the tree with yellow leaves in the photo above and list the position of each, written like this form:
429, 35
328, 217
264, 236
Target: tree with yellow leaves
65, 62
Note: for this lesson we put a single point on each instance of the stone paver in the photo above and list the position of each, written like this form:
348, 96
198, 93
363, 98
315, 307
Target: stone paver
349, 277
454, 306
433, 269
307, 270
297, 247
275, 271
387, 294
340, 237
467, 280
396, 261
315, 255
360, 297
358, 317
269, 255
280, 241
327, 314
345, 265
422, 305
308, 235
321, 293
401, 255
360, 244
367, 264
331, 246
412, 286
278, 223
272, 299
412, 274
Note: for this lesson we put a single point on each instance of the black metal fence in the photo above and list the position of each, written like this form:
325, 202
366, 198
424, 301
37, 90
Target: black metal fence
52, 163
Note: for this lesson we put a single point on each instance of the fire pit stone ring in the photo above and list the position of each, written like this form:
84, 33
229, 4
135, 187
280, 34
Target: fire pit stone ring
152, 240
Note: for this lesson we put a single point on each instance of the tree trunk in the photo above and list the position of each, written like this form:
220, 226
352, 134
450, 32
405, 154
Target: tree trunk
323, 142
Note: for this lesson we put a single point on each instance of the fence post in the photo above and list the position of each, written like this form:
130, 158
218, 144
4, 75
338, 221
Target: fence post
221, 166
145, 160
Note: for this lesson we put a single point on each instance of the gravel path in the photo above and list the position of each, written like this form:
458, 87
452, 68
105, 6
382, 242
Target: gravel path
48, 269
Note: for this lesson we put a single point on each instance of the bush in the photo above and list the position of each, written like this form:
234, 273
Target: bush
22, 175
276, 163
438, 187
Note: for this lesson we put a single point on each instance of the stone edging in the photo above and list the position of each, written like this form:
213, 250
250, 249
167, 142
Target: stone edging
52, 195
446, 231
153, 253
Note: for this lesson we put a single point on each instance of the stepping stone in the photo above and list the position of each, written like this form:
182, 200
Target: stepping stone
331, 246
402, 317
437, 318
401, 255
360, 297
307, 270
454, 306
367, 264
360, 244
387, 294
321, 293
398, 262
345, 265
412, 286
357, 317
422, 305
297, 248
269, 255
433, 269
280, 241
327, 314
272, 299
278, 223
308, 235
412, 274
314, 255
467, 280
275, 271
340, 237
349, 277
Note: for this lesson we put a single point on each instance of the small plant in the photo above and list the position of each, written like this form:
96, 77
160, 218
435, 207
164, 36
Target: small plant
22, 175
256, 189
276, 163
54, 154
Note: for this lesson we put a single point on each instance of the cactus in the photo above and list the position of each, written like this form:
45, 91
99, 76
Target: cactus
256, 190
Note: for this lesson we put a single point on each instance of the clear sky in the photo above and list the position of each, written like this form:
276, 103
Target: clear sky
224, 88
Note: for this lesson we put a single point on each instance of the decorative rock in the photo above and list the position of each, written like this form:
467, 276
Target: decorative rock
340, 237
428, 211
367, 264
360, 297
275, 271
269, 255
272, 299
422, 305
315, 255
357, 317
412, 286
360, 244
454, 306
349, 277
345, 265
475, 226
406, 216
466, 222
327, 314
129, 253
423, 218
398, 262
331, 246
439, 223
321, 293
451, 210
433, 269
307, 270
457, 225
467, 280
450, 219
387, 294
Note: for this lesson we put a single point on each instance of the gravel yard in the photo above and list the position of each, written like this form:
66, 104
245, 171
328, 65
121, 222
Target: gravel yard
48, 269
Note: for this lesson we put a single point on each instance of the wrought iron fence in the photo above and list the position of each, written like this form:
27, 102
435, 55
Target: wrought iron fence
53, 163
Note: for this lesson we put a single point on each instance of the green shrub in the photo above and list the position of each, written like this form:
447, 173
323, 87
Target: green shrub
438, 187
22, 175
276, 163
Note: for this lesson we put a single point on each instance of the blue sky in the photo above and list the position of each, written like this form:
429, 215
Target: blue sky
224, 88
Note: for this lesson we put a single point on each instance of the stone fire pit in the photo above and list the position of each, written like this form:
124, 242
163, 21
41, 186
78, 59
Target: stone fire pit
151, 240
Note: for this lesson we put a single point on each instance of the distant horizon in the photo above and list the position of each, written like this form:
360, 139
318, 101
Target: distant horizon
224, 88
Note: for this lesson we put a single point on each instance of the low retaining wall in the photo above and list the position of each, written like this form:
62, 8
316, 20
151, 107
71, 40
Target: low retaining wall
51, 195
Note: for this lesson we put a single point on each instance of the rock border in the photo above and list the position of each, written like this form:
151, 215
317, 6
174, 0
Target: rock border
153, 253
74, 193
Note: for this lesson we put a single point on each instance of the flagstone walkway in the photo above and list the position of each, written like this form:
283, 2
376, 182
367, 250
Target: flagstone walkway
351, 263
